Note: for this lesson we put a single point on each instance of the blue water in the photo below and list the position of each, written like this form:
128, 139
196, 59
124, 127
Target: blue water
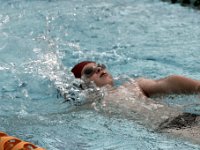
41, 40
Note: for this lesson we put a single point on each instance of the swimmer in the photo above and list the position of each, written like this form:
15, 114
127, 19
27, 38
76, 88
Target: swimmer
133, 99
173, 84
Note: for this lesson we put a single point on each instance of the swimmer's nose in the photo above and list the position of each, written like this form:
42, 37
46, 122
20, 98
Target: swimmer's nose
98, 69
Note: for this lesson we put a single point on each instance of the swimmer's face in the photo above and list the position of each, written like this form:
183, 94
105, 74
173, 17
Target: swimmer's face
98, 74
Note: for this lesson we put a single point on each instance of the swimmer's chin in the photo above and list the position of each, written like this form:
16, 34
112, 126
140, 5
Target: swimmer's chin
106, 84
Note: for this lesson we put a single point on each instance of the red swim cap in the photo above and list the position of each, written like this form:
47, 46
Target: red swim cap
77, 69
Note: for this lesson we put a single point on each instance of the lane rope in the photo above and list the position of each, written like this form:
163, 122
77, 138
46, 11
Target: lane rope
12, 143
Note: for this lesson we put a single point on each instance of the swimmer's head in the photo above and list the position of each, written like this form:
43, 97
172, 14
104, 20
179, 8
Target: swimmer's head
77, 69
89, 70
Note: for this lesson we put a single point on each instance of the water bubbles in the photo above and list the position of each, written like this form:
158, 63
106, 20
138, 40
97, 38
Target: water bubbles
37, 50
4, 19
4, 68
25, 93
22, 113
76, 46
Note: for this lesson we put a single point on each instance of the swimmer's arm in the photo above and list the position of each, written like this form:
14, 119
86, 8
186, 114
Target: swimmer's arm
173, 84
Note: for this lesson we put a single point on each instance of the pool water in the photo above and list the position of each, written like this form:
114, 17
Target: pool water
41, 40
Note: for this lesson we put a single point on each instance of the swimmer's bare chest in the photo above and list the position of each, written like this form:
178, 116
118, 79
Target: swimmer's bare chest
128, 100
129, 90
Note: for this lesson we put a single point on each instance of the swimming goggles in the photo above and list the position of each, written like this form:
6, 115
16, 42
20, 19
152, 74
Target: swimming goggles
89, 71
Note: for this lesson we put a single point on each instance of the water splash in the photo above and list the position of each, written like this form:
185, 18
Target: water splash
48, 65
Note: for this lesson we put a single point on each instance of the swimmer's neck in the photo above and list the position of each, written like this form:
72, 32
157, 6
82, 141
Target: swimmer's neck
109, 87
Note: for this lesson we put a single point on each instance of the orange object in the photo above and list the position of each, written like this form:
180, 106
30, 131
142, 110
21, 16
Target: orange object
12, 143
2, 134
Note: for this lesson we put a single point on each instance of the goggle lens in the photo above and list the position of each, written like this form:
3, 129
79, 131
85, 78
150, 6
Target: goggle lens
88, 72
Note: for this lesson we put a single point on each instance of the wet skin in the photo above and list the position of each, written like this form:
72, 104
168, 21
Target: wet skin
101, 77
